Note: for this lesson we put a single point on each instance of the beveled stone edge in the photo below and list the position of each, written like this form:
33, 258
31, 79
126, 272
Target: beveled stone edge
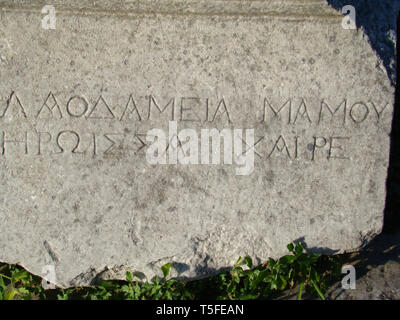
292, 9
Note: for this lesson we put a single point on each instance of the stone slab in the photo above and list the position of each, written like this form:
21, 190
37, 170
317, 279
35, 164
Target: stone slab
76, 103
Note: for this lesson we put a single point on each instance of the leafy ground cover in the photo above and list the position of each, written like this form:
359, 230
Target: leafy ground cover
309, 273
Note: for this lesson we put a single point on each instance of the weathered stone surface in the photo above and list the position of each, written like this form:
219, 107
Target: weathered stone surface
77, 191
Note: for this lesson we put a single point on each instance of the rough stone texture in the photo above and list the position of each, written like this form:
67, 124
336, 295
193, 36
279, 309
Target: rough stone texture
378, 20
98, 208
377, 269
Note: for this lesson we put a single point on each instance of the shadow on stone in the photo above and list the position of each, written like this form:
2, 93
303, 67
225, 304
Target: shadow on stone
324, 250
392, 217
378, 19
384, 248
180, 267
377, 269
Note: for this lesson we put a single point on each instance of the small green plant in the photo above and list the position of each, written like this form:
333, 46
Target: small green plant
17, 283
298, 269
159, 289
311, 273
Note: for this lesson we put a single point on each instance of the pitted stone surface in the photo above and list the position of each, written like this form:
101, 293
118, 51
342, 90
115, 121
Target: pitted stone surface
76, 103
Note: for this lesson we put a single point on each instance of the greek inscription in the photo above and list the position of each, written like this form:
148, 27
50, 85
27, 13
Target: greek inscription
311, 143
334, 146
114, 143
46, 111
280, 145
171, 103
77, 106
101, 110
276, 113
6, 141
332, 113
187, 106
17, 105
292, 111
359, 112
218, 113
131, 109
61, 142
41, 136
302, 112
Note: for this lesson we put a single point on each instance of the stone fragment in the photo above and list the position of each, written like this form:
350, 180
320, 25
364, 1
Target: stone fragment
77, 103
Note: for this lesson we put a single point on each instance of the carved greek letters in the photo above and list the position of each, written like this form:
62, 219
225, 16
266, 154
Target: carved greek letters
50, 129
